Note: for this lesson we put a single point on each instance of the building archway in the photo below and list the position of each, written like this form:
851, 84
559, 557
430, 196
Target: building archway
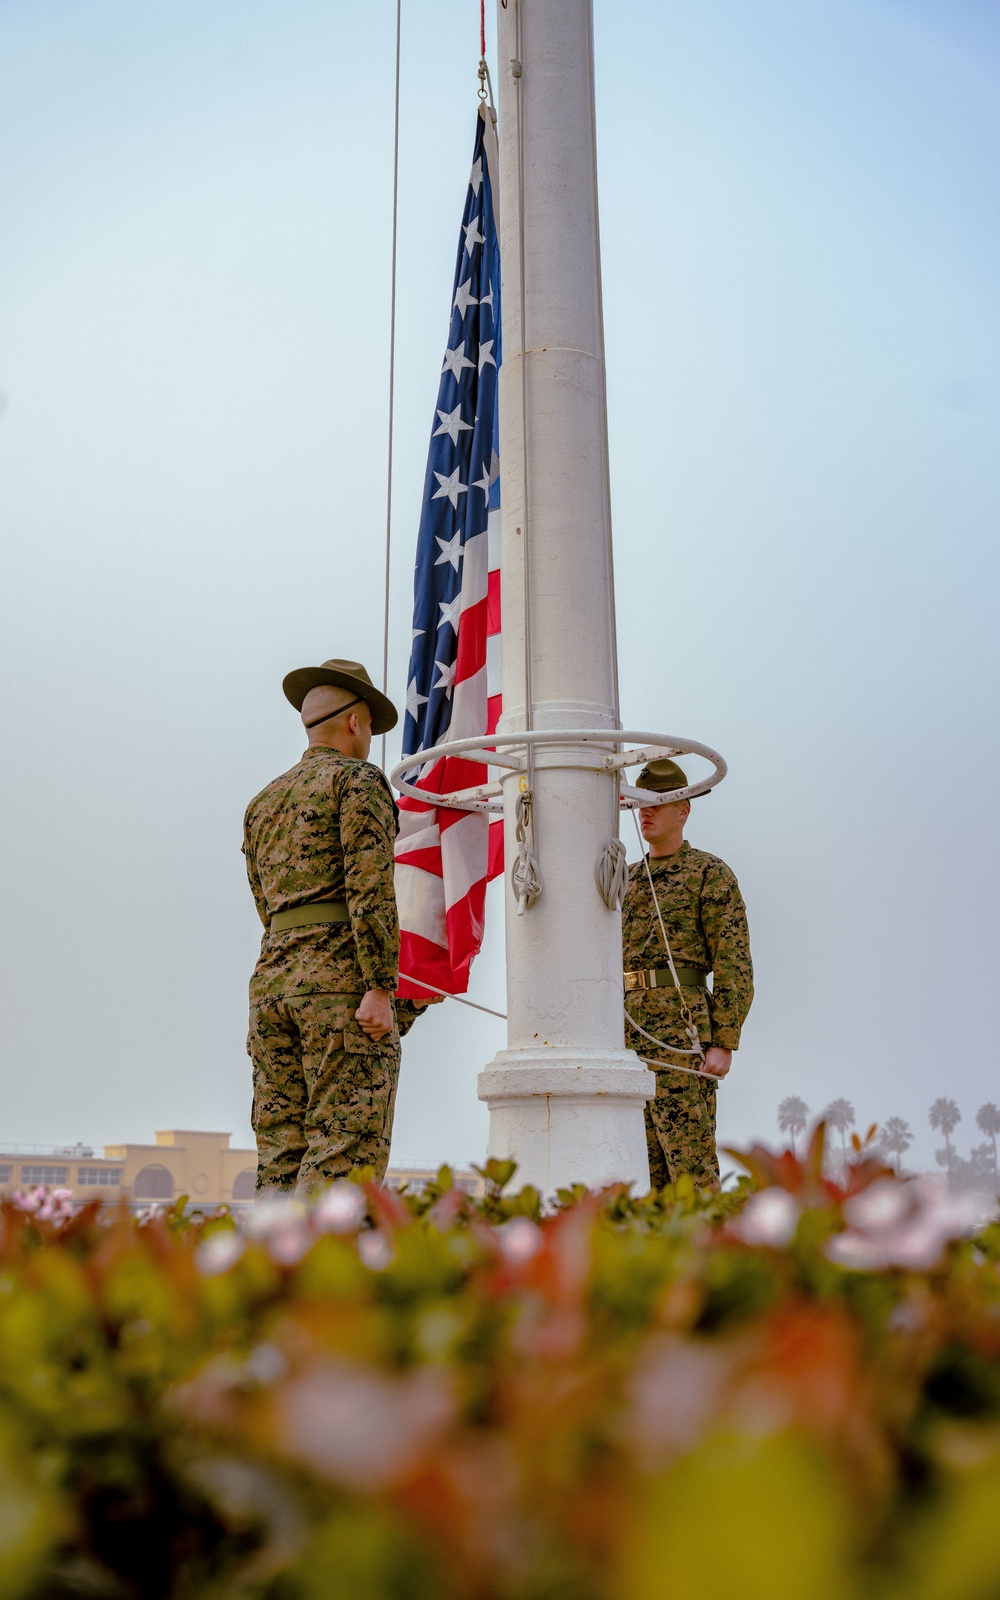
153, 1183
244, 1184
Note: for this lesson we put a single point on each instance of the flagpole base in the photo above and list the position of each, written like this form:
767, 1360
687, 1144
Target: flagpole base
569, 1116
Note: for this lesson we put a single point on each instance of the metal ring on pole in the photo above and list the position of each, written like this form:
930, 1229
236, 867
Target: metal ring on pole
495, 750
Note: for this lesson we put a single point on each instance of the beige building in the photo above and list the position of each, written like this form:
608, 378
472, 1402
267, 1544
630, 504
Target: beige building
197, 1164
200, 1165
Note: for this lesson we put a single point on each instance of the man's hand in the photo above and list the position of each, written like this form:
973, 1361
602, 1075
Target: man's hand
431, 1000
374, 1014
717, 1061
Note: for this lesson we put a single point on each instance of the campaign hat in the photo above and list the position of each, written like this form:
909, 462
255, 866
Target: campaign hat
663, 777
342, 675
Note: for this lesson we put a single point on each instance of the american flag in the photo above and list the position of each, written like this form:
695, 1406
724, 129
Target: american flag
444, 858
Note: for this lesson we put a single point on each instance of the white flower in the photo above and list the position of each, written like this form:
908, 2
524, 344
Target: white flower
769, 1217
340, 1209
271, 1213
676, 1391
289, 1244
519, 1239
265, 1364
359, 1427
375, 1251
219, 1252
881, 1205
903, 1224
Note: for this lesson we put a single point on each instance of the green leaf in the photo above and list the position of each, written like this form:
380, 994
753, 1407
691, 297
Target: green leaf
742, 1519
956, 1554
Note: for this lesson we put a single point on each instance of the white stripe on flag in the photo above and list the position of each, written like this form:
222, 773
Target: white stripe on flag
463, 856
418, 830
493, 539
493, 664
468, 715
475, 571
420, 898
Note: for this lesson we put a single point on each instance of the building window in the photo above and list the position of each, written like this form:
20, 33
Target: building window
244, 1184
153, 1183
99, 1177
56, 1177
5, 1174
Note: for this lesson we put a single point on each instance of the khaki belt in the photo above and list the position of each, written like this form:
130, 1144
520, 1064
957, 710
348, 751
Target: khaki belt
660, 978
305, 916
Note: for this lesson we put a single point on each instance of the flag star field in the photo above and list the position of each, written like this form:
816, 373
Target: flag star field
445, 857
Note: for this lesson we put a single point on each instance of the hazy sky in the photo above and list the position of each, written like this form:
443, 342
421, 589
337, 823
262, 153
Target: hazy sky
801, 259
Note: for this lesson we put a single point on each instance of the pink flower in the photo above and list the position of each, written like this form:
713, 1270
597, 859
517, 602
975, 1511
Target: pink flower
519, 1239
281, 1224
359, 1428
219, 1252
769, 1217
375, 1250
903, 1224
340, 1209
676, 1394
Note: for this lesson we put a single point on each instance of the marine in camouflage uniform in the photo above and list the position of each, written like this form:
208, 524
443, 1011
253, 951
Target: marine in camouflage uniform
319, 842
706, 925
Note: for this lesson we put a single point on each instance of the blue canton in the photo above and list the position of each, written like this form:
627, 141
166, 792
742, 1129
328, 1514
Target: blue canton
462, 482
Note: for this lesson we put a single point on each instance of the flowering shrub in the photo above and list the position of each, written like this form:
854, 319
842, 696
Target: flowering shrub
791, 1392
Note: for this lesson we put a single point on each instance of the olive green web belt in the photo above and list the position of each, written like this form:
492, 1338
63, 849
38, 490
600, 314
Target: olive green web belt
660, 977
305, 916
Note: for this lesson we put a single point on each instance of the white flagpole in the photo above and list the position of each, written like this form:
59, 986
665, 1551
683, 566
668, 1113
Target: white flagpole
566, 1097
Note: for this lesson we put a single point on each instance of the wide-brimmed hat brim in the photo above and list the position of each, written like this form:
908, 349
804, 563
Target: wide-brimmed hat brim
298, 683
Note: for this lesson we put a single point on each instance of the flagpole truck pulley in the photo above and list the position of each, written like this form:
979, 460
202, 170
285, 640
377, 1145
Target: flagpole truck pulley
505, 750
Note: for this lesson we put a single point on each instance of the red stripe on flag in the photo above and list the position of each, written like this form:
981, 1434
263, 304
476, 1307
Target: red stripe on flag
471, 657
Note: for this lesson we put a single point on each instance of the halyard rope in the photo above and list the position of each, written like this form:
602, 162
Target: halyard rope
392, 373
526, 866
459, 997
688, 1020
464, 1001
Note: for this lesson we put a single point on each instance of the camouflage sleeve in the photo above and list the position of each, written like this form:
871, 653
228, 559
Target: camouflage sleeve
724, 919
406, 1015
367, 836
254, 877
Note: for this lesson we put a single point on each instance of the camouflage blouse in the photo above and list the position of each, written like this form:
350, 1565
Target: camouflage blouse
706, 923
324, 831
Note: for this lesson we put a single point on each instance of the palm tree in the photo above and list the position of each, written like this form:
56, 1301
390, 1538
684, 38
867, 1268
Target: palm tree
988, 1122
793, 1115
945, 1115
840, 1115
897, 1138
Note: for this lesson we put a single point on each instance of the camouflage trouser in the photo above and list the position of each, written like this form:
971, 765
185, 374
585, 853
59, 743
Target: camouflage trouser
323, 1092
680, 1131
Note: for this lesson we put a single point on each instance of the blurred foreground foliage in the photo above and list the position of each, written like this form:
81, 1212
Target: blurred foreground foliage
790, 1391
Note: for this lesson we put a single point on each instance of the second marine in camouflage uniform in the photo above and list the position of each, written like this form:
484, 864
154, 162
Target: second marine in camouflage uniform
324, 1090
706, 924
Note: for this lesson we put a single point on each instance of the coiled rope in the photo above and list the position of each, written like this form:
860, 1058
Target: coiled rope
526, 880
613, 874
